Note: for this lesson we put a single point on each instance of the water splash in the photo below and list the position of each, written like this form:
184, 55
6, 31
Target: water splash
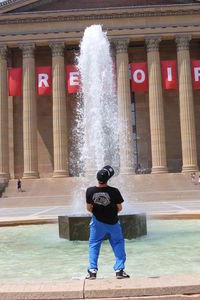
97, 113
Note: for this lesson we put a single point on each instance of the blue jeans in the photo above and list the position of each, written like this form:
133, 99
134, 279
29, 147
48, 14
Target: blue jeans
98, 230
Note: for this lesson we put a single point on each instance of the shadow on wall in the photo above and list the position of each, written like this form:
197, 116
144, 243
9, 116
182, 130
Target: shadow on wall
45, 130
174, 165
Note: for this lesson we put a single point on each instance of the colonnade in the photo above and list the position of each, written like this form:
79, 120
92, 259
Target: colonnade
156, 109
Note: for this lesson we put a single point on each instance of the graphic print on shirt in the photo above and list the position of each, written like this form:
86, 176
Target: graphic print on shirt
101, 199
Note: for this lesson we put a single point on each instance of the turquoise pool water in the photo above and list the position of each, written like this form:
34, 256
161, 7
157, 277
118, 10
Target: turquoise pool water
37, 253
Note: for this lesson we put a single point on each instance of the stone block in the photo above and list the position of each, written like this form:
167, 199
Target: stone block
134, 225
74, 228
77, 227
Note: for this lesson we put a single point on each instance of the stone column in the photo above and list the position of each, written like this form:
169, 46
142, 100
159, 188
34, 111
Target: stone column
124, 108
10, 125
186, 104
29, 112
4, 165
59, 111
156, 110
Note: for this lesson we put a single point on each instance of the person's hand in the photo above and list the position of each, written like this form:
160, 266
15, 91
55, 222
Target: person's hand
119, 207
89, 207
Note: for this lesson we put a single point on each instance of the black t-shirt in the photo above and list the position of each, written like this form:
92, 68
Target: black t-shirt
104, 201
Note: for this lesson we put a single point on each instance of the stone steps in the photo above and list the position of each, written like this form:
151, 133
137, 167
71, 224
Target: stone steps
60, 191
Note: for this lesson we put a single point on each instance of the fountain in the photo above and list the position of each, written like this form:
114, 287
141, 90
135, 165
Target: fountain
96, 134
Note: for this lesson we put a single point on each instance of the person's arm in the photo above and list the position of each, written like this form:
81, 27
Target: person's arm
119, 207
119, 200
89, 207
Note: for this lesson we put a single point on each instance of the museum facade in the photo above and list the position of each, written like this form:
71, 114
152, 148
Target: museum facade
36, 130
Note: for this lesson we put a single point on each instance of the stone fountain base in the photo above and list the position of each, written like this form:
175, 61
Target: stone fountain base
76, 228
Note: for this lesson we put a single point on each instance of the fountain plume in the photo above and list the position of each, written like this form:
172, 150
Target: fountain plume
97, 113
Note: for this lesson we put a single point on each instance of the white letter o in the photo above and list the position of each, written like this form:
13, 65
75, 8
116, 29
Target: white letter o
135, 76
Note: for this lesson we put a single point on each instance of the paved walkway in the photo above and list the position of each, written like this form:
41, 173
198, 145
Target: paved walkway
147, 207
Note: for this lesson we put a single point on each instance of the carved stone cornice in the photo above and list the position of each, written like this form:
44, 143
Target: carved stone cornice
121, 45
27, 50
152, 43
148, 12
183, 42
3, 52
57, 48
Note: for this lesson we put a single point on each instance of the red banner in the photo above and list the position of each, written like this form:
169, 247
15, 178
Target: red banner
15, 81
196, 74
139, 81
43, 80
73, 79
169, 74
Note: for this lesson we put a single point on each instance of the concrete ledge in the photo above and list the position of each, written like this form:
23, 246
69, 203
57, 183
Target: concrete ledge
43, 291
142, 287
15, 221
179, 215
163, 288
178, 297
31, 220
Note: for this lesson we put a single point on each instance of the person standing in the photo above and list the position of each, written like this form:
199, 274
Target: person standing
104, 202
193, 176
19, 185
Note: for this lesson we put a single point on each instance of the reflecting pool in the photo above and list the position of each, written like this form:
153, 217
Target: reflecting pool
37, 253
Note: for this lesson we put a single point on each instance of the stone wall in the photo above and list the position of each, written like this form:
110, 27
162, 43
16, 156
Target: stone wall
171, 111
137, 53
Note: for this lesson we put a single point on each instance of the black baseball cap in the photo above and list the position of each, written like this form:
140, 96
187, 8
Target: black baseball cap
105, 174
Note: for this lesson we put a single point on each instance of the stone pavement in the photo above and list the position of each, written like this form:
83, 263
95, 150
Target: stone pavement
178, 209
163, 288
